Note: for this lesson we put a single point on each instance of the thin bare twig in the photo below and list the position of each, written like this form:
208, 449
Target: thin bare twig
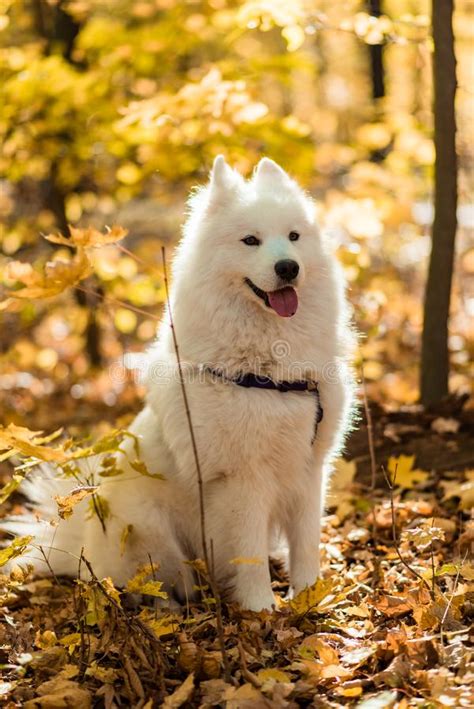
450, 601
373, 476
202, 513
433, 579
370, 433
246, 673
46, 559
153, 575
147, 266
391, 484
97, 505
115, 301
79, 564
79, 608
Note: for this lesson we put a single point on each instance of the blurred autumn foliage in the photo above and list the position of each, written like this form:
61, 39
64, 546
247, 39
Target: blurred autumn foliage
112, 109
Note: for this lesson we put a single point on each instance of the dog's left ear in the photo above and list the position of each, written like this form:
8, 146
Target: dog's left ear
268, 173
223, 180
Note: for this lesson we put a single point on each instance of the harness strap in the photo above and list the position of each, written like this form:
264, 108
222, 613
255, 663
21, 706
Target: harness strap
256, 381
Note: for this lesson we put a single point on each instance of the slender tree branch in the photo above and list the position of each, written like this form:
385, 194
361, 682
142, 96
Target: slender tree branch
373, 476
188, 416
51, 571
115, 301
405, 563
450, 601
79, 608
210, 571
246, 673
370, 433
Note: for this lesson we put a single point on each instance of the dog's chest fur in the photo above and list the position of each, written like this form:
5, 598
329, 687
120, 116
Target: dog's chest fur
252, 434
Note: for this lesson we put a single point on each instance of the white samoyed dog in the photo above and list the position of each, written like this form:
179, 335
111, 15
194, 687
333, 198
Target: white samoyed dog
259, 311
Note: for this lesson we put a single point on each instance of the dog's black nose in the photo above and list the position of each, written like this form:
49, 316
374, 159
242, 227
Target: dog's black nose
287, 269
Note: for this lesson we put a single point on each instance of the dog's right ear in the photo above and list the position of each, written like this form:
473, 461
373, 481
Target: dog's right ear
269, 174
223, 181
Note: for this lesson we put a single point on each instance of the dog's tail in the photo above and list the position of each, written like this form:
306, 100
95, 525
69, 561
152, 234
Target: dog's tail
57, 543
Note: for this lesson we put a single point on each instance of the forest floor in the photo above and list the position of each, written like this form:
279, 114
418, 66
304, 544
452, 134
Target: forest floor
387, 626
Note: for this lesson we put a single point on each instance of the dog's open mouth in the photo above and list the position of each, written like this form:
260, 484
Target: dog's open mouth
284, 301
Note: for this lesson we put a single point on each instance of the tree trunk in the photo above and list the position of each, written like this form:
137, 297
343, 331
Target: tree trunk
435, 356
376, 56
59, 30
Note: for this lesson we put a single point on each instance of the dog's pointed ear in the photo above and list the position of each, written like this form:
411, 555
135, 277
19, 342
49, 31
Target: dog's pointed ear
268, 173
223, 179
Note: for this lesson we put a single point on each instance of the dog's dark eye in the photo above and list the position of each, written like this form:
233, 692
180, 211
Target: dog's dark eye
251, 240
293, 236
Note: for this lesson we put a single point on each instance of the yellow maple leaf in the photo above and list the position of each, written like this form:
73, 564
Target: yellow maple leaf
89, 237
57, 277
16, 548
10, 487
141, 583
96, 605
402, 472
317, 598
17, 439
71, 641
164, 625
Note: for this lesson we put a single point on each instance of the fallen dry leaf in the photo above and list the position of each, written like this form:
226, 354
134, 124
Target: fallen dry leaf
67, 503
57, 693
181, 695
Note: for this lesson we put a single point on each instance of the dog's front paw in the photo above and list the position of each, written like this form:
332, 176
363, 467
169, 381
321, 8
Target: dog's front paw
257, 602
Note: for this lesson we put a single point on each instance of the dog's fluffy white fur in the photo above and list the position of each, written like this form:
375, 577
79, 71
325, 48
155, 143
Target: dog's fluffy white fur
263, 475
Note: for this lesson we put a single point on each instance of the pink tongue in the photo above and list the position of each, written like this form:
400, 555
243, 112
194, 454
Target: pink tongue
284, 301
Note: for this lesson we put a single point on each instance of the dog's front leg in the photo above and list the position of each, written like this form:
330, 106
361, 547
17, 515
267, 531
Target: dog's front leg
237, 521
304, 535
305, 529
